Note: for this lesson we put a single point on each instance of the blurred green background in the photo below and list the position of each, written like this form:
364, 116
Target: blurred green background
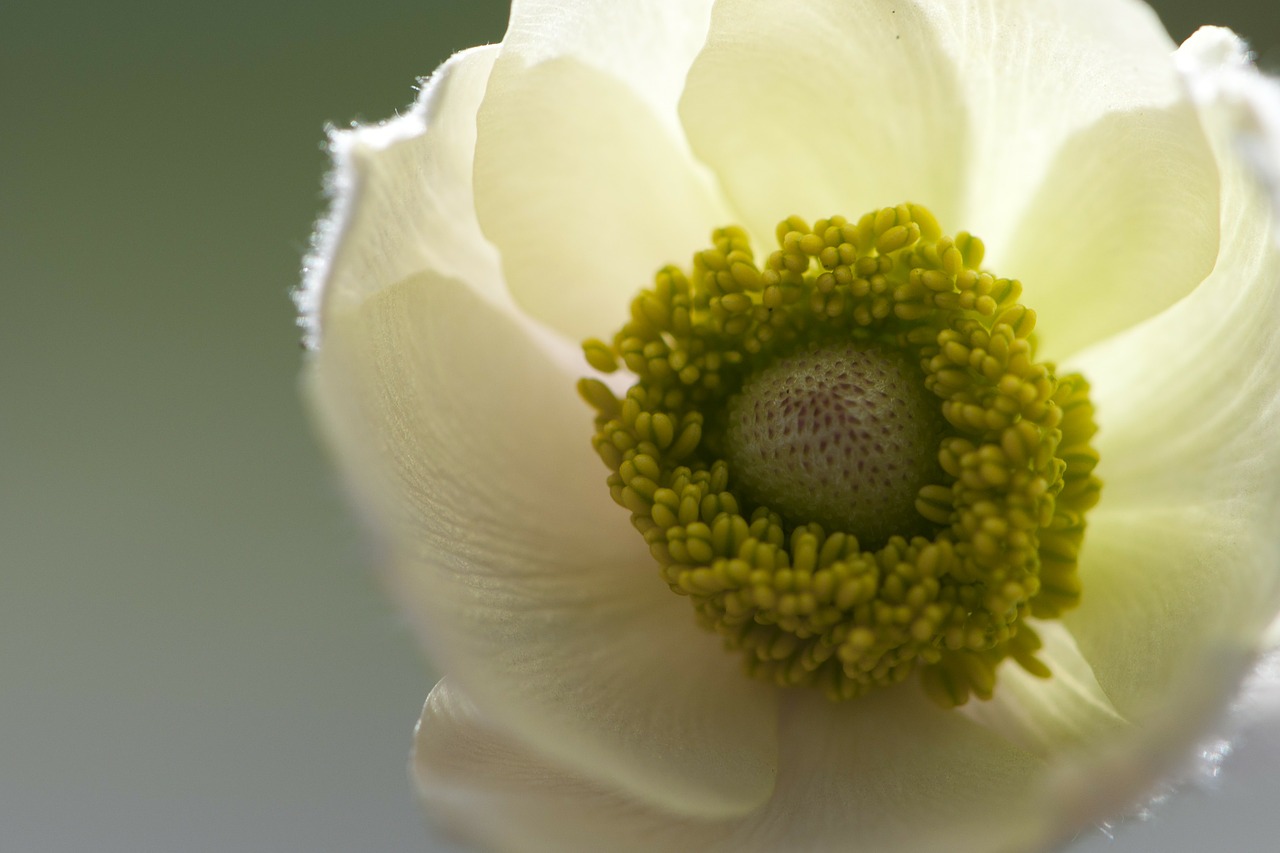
193, 653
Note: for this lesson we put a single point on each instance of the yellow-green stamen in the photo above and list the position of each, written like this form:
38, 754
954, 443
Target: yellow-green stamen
823, 574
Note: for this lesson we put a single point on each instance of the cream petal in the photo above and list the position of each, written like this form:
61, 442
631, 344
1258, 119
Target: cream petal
1163, 586
583, 179
1222, 79
890, 773
1032, 75
463, 434
1117, 778
457, 424
1049, 716
647, 44
805, 112
1080, 100
489, 790
1124, 225
402, 199
1180, 561
1257, 708
825, 107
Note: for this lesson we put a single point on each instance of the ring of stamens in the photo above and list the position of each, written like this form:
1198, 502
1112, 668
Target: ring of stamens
998, 533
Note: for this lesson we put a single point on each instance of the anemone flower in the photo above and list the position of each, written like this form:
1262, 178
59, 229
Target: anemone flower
1061, 557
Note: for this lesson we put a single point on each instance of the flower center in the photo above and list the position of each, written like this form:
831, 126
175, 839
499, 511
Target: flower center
844, 436
848, 458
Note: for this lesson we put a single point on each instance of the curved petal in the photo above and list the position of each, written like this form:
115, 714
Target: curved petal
486, 788
1049, 716
1222, 79
825, 107
1120, 779
1124, 225
1180, 562
1227, 792
1032, 75
583, 179
464, 433
1162, 587
457, 424
1257, 708
1080, 100
890, 773
402, 199
647, 44
896, 772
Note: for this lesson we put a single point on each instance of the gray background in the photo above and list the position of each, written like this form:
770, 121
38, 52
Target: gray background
192, 654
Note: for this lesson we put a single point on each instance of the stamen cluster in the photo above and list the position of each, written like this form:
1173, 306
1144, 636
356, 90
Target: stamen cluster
809, 606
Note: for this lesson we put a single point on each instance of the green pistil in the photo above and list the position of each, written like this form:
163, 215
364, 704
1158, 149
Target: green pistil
849, 459
844, 436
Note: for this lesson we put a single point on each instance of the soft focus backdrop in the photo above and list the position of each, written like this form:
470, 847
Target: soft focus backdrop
193, 653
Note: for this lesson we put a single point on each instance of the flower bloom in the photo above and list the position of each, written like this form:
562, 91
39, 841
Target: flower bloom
538, 184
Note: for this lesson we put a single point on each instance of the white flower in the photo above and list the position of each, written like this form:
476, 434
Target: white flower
537, 184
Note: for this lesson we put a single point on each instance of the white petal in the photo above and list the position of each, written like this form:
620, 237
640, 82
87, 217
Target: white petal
1221, 77
1124, 225
1049, 716
1163, 586
1271, 640
527, 584
887, 774
457, 424
1031, 75
487, 789
1085, 177
1180, 565
584, 181
1230, 787
402, 199
1258, 706
825, 107
647, 44
891, 771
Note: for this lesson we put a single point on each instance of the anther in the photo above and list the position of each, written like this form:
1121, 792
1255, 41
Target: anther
848, 458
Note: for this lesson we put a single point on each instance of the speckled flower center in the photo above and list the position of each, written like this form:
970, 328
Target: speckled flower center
844, 436
847, 456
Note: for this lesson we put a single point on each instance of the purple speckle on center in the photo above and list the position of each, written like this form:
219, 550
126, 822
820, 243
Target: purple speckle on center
844, 436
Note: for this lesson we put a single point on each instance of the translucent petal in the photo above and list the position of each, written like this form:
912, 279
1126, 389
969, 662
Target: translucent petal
891, 773
1180, 565
458, 427
827, 107
583, 178
1222, 78
1048, 716
1227, 792
1124, 225
1083, 158
1032, 75
488, 789
1162, 586
402, 199
647, 44
896, 772
464, 435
